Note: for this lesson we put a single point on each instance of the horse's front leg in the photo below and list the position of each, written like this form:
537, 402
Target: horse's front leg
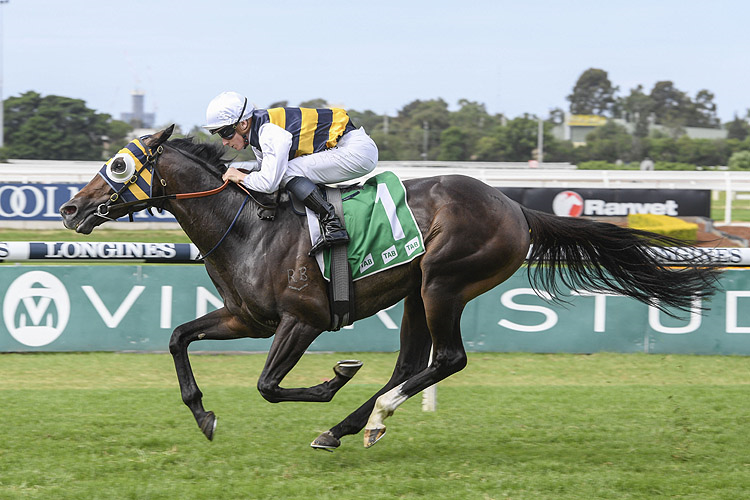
291, 340
216, 325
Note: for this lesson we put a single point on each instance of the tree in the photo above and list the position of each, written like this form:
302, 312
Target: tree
740, 161
419, 119
474, 122
662, 147
472, 115
57, 128
671, 106
314, 103
704, 111
593, 94
454, 145
367, 119
557, 151
117, 138
391, 146
701, 151
492, 146
518, 139
556, 116
610, 142
738, 129
522, 138
675, 109
636, 108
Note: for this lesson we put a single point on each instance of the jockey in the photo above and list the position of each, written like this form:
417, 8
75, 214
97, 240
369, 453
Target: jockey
295, 148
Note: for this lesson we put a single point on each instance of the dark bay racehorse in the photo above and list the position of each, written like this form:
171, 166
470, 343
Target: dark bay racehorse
475, 238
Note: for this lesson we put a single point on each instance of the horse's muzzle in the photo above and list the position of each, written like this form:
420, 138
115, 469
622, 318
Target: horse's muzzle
82, 219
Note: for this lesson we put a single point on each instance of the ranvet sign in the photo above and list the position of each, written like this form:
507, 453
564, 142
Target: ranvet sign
614, 202
25, 202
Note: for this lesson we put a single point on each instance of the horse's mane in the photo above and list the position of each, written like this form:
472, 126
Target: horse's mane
209, 152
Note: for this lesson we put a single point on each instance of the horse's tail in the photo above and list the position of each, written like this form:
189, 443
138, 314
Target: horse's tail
596, 256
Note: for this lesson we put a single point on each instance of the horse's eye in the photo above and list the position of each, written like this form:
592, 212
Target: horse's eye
119, 166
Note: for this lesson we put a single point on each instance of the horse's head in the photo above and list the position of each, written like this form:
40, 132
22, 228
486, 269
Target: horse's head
115, 191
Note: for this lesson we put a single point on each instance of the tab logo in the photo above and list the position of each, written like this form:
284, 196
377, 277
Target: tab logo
412, 246
36, 308
367, 263
390, 254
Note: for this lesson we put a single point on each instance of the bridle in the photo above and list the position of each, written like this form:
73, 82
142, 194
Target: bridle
137, 198
149, 165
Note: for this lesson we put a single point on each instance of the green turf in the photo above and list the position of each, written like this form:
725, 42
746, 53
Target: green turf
99, 234
740, 208
509, 426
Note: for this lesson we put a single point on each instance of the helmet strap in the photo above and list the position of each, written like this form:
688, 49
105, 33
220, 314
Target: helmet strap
246, 136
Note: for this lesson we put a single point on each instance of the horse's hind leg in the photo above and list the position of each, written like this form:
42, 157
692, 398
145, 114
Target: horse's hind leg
216, 325
413, 358
443, 319
471, 249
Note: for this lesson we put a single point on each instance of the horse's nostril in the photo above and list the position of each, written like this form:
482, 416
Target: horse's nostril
68, 210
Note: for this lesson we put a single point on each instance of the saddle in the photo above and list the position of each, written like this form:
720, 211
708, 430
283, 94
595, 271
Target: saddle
383, 234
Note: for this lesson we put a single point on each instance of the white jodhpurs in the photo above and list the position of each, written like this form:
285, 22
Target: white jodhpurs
355, 155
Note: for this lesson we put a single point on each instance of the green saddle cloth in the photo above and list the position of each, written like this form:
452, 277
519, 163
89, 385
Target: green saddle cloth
381, 227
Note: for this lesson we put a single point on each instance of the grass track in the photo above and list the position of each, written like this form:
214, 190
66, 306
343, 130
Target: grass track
99, 234
519, 426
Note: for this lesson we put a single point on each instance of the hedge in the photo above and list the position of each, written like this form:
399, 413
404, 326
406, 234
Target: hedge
664, 224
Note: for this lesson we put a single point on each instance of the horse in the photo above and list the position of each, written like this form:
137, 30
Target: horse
474, 237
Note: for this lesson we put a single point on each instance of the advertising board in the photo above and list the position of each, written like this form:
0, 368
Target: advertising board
614, 202
42, 202
136, 307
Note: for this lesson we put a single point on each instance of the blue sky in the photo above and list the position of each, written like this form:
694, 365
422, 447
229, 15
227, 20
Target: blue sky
513, 56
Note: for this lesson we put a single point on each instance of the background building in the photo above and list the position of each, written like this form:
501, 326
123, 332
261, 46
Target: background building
138, 118
575, 128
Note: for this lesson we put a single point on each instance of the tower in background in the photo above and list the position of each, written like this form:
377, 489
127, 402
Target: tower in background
138, 118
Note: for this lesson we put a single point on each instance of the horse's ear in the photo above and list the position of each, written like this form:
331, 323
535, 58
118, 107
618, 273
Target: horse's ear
155, 140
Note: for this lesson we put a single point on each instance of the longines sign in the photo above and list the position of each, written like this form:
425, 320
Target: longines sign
98, 250
136, 307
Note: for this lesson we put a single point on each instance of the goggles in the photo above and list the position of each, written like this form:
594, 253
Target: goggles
228, 131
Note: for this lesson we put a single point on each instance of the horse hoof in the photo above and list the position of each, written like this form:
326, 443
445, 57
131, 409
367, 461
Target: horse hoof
208, 425
326, 441
372, 436
347, 368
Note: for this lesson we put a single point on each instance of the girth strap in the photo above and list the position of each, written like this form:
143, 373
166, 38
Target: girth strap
341, 287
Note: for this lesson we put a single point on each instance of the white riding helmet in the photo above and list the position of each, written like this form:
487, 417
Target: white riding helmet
225, 109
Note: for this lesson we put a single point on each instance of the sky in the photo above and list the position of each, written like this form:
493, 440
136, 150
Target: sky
514, 57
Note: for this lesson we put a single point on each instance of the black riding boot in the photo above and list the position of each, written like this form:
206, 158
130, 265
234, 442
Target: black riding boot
332, 230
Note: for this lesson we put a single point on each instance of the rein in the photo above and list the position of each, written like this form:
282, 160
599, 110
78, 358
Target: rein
150, 165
